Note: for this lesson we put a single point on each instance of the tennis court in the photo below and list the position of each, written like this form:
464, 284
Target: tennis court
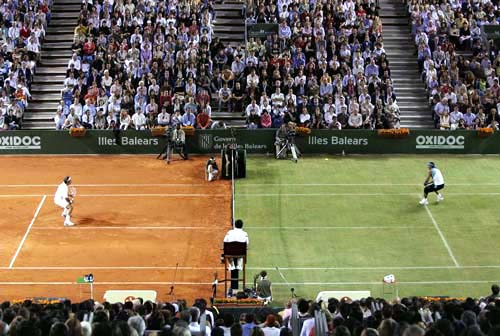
343, 223
140, 224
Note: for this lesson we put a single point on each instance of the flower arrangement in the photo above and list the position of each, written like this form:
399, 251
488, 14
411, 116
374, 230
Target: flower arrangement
394, 133
189, 130
77, 132
40, 300
303, 130
158, 131
441, 299
484, 132
236, 302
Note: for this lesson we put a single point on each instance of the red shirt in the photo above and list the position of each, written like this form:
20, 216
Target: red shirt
265, 120
89, 48
203, 120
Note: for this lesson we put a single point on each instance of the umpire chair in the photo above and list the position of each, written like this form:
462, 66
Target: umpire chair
234, 250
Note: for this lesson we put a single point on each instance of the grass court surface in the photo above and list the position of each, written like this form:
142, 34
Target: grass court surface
342, 223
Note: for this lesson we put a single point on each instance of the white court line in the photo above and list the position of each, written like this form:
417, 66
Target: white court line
357, 184
436, 226
376, 268
27, 231
195, 268
129, 195
360, 194
164, 283
77, 227
328, 227
69, 268
251, 195
117, 185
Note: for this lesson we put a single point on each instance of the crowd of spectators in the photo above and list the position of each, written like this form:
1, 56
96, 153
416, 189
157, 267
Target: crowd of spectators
459, 69
325, 67
22, 32
366, 317
140, 64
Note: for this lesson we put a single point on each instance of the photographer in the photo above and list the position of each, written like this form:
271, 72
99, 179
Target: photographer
212, 170
179, 141
263, 287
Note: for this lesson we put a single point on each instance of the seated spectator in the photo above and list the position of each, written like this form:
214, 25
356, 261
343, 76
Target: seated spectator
203, 120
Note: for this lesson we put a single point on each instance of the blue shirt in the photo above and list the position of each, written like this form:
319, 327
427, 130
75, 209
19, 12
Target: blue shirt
247, 328
188, 119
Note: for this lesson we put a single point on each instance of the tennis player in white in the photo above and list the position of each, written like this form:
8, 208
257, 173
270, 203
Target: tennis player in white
64, 199
437, 183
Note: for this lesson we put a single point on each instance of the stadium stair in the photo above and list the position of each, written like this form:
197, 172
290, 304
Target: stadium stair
50, 74
229, 27
411, 94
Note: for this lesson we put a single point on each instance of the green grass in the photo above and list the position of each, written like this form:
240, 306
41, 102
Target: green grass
342, 223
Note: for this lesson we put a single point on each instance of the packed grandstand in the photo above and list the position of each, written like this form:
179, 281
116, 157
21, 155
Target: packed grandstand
140, 64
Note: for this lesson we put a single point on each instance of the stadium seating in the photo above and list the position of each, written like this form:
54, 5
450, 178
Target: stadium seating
459, 70
325, 68
331, 73
23, 32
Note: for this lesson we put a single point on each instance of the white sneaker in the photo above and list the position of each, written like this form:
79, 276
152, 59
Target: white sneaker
440, 198
68, 223
424, 201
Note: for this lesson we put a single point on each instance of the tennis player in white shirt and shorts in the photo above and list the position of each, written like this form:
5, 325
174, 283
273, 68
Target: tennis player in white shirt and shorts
64, 198
433, 183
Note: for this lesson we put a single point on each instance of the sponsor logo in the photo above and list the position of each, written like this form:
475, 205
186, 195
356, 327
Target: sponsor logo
209, 141
206, 141
20, 142
336, 141
440, 142
127, 141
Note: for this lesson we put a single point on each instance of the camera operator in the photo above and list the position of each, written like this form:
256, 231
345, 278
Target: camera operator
281, 136
168, 144
179, 140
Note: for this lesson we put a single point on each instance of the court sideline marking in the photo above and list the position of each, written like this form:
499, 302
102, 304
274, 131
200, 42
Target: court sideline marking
164, 283
443, 239
242, 185
13, 260
77, 227
196, 268
251, 195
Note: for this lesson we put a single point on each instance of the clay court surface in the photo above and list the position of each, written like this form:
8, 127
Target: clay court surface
136, 219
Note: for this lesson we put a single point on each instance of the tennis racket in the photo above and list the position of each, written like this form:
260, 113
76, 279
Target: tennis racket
72, 192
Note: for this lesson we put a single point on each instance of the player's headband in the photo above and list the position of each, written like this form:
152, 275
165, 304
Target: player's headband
67, 179
431, 165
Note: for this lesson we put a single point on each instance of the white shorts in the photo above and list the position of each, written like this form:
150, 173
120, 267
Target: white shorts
62, 203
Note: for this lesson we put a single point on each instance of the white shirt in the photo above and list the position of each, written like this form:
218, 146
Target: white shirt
139, 120
271, 331
236, 235
194, 327
437, 177
61, 193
